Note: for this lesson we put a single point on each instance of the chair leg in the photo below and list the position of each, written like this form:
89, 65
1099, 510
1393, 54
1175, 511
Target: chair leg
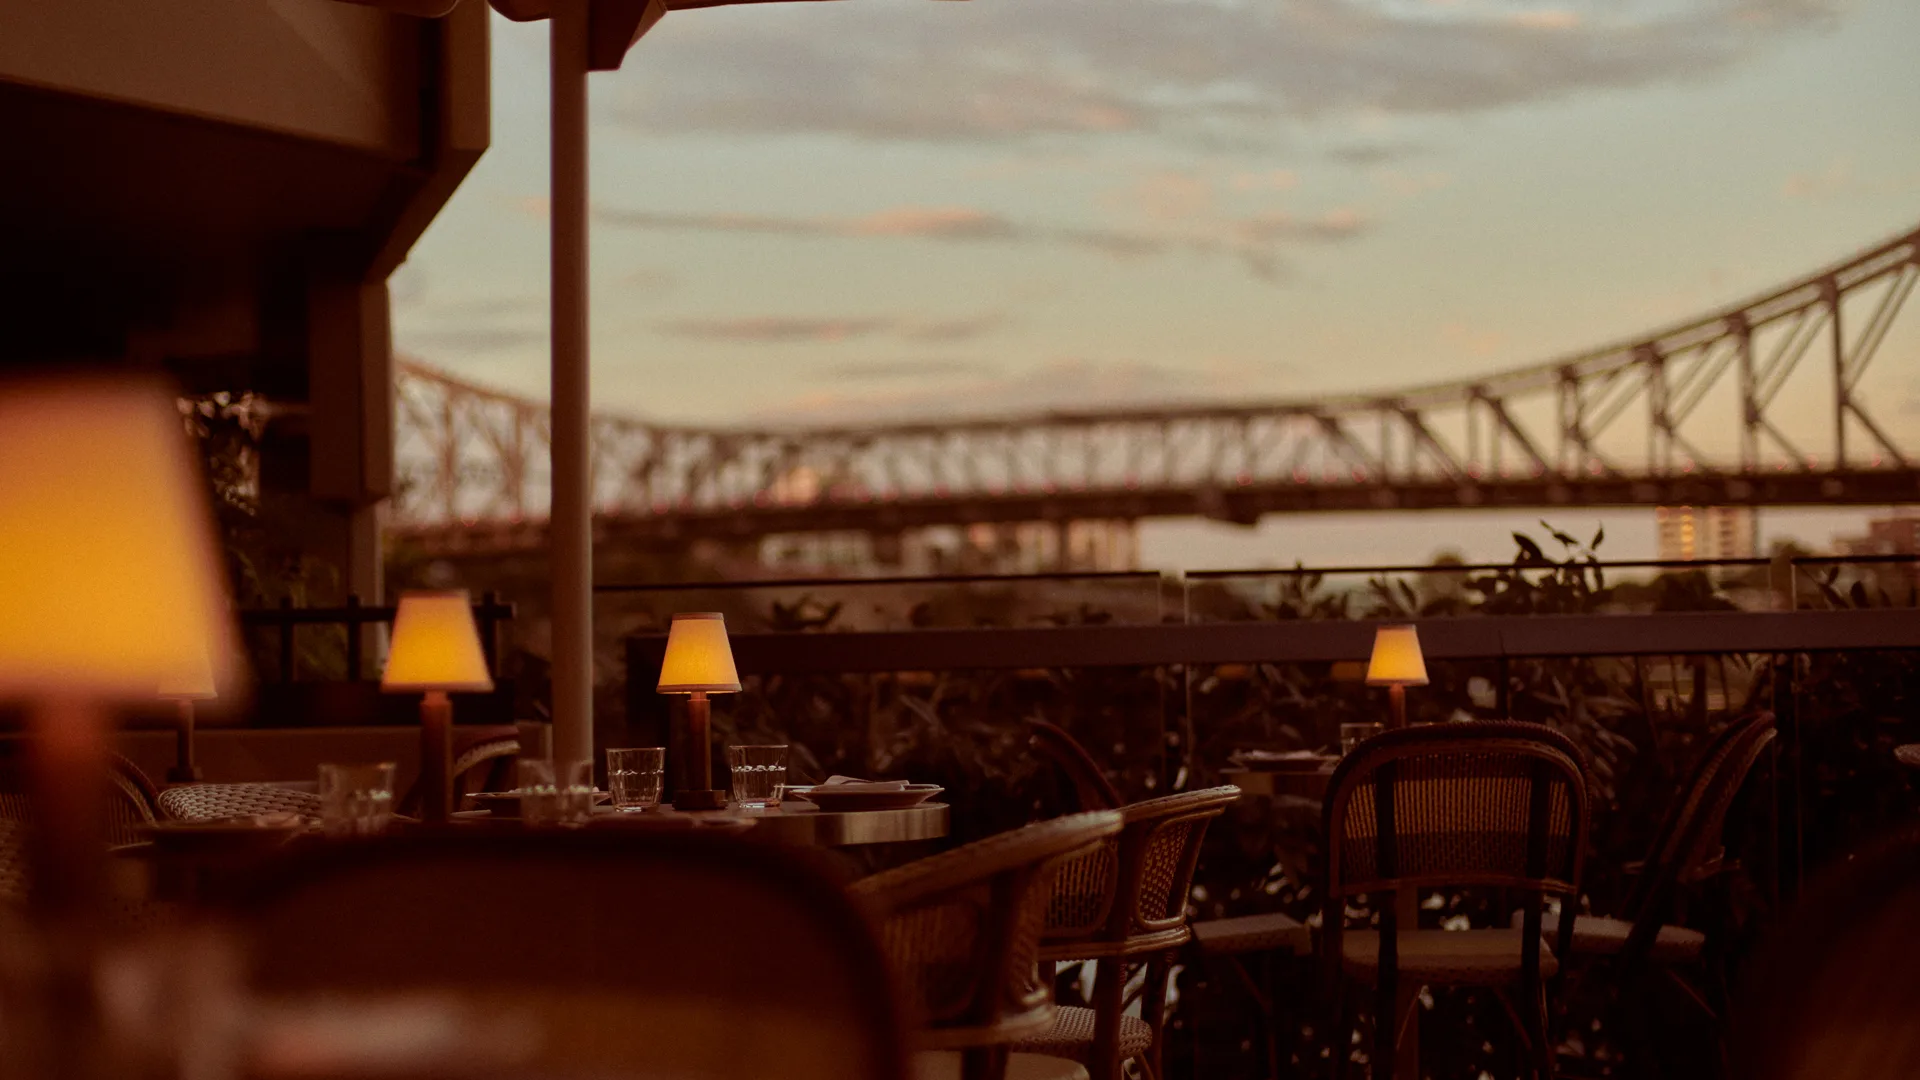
1386, 1024
1339, 1034
983, 1063
1109, 990
1538, 1035
1269, 1022
1153, 1007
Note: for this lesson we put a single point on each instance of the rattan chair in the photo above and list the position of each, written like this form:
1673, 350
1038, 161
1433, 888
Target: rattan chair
130, 806
625, 954
1687, 849
213, 802
1121, 905
1687, 852
1493, 804
1091, 788
484, 766
963, 928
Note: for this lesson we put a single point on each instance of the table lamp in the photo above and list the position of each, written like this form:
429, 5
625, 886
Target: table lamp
699, 662
111, 586
435, 649
186, 686
1396, 665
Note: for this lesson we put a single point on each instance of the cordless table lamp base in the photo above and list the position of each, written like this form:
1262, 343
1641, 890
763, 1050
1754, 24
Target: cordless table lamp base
700, 751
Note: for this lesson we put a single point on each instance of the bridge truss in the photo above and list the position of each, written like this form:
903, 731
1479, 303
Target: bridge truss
1763, 402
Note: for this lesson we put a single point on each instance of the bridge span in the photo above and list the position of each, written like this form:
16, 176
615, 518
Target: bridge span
1764, 402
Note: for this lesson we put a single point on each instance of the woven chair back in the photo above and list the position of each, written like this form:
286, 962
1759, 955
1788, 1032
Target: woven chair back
1091, 788
1697, 832
963, 929
705, 957
130, 796
1700, 839
1135, 885
212, 802
1488, 803
1668, 856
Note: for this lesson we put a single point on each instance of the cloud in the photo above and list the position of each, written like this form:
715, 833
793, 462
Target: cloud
1408, 184
1270, 180
769, 329
1169, 195
650, 279
1476, 343
1255, 239
1836, 178
1198, 69
433, 342
785, 330
1547, 19
908, 369
1363, 155
949, 330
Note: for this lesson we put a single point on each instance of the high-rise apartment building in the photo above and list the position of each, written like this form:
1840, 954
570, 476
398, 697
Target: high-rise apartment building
1707, 532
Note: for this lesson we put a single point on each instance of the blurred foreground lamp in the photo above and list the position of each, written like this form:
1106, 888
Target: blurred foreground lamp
1397, 664
111, 587
436, 649
186, 686
699, 662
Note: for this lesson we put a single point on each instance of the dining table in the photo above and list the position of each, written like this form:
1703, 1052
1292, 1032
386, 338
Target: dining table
787, 822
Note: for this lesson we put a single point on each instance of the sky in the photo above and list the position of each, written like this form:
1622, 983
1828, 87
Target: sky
883, 208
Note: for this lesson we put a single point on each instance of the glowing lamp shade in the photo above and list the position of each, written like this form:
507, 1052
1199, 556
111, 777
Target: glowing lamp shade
1396, 658
194, 682
698, 658
435, 645
107, 565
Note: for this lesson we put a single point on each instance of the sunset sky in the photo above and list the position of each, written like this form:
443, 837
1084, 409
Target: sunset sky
881, 208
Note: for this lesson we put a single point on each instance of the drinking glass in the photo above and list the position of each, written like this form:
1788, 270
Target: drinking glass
1352, 735
633, 775
759, 775
555, 793
356, 800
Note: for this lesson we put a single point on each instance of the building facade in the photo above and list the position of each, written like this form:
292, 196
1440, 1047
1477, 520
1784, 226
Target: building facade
1687, 533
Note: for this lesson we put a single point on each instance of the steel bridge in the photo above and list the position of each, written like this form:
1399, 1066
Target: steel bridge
1759, 403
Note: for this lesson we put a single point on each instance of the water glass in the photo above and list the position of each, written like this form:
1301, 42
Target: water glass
555, 793
634, 774
759, 775
1352, 735
356, 800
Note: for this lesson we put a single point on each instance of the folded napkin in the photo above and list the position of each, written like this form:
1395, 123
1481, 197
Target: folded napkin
854, 783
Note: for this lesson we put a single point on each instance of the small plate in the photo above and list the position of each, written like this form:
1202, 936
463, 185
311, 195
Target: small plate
507, 803
1283, 761
826, 798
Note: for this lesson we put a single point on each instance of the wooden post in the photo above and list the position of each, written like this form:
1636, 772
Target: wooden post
570, 525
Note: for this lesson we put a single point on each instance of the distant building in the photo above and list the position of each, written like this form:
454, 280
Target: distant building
1898, 534
1707, 532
